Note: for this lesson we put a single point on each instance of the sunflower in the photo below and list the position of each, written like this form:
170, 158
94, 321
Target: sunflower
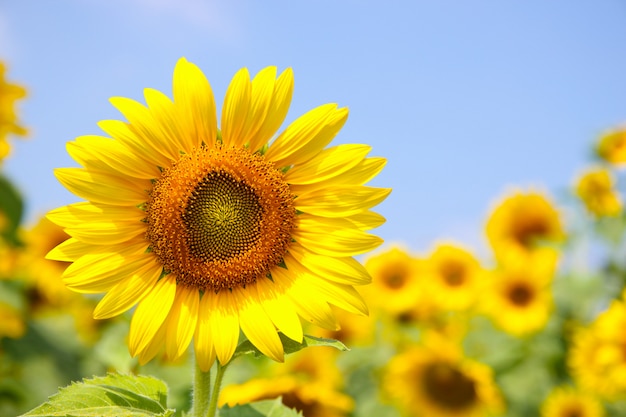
436, 380
519, 297
209, 231
596, 188
611, 146
9, 93
397, 286
312, 399
455, 277
566, 401
597, 358
523, 223
12, 323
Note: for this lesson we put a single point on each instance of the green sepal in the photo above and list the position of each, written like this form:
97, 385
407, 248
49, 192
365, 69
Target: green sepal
289, 346
267, 408
113, 395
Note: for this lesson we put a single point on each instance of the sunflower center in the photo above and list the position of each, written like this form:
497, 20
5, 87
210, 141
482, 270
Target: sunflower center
573, 411
448, 387
521, 295
220, 218
527, 233
453, 274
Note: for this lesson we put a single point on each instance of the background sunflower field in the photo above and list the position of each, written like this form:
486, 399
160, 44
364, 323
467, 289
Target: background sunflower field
500, 288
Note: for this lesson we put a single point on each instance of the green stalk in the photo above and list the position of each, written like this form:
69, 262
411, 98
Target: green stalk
216, 389
201, 392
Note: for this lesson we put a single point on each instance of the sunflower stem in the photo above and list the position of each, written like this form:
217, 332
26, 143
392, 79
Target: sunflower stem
201, 392
221, 369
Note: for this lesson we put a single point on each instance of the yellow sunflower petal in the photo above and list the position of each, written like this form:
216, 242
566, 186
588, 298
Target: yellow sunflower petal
333, 237
360, 174
127, 293
154, 346
203, 338
327, 164
94, 272
150, 314
235, 109
181, 322
277, 110
256, 324
261, 94
144, 126
139, 146
366, 220
344, 270
69, 251
340, 201
310, 307
76, 214
307, 135
102, 187
166, 117
224, 321
280, 310
104, 154
194, 97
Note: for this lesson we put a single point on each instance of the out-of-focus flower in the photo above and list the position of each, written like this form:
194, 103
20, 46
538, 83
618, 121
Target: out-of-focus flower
309, 381
567, 401
612, 146
455, 278
9, 94
355, 330
436, 380
596, 188
524, 224
597, 358
312, 399
519, 297
11, 322
211, 232
397, 286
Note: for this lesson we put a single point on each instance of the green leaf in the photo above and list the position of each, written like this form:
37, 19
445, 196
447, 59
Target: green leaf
113, 395
290, 346
268, 408
11, 208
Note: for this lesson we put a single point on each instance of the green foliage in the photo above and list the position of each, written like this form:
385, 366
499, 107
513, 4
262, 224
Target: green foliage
113, 395
11, 207
268, 408
289, 346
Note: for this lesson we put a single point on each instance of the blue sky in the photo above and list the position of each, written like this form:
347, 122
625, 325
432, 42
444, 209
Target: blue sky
466, 99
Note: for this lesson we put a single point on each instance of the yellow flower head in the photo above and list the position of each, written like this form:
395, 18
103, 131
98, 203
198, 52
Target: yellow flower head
9, 94
597, 358
11, 322
522, 223
455, 277
212, 231
596, 188
612, 146
519, 299
438, 381
566, 401
397, 281
312, 399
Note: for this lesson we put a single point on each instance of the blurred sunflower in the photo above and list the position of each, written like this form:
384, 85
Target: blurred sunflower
436, 380
397, 286
519, 297
523, 223
9, 94
567, 401
596, 189
11, 322
211, 231
611, 146
455, 277
355, 330
312, 399
597, 357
